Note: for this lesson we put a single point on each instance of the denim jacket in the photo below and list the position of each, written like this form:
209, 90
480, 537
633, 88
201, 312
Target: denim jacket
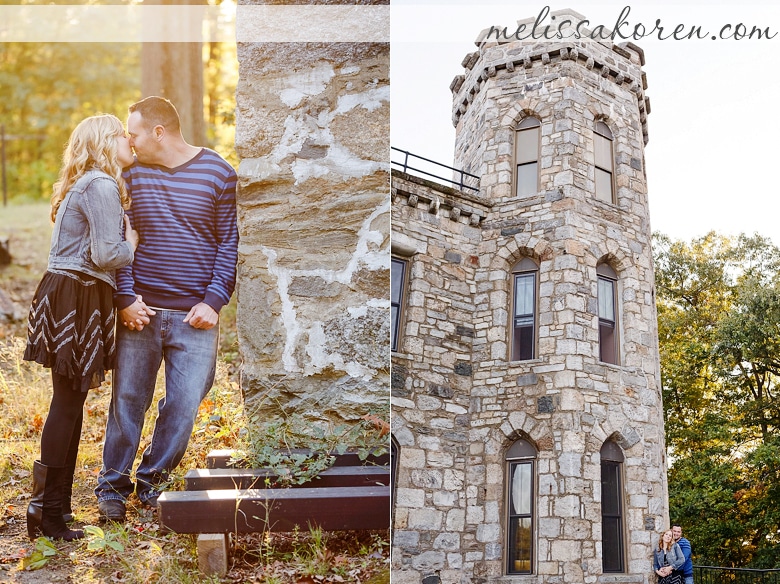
673, 558
88, 230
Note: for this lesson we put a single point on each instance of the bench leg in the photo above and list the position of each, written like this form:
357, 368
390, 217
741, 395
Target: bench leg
213, 553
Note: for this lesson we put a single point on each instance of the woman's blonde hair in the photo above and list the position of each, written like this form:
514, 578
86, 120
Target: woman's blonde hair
661, 540
92, 144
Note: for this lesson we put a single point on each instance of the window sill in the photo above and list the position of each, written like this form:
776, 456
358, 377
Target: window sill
620, 578
518, 578
536, 361
611, 365
608, 204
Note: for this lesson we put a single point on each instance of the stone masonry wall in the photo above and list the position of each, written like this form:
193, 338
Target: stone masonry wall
314, 219
450, 516
432, 373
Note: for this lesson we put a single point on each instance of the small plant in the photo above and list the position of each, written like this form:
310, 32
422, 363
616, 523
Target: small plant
101, 541
315, 559
298, 449
43, 551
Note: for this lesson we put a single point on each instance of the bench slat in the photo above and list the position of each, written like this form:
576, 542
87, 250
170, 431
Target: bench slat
234, 478
257, 510
222, 458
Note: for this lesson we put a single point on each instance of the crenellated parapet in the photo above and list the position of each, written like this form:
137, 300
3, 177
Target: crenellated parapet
438, 200
618, 63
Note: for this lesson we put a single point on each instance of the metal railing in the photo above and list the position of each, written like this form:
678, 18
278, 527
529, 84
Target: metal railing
405, 166
718, 575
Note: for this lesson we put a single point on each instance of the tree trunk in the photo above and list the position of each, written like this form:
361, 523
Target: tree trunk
175, 71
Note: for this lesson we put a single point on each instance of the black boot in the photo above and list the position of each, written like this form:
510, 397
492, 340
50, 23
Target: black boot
44, 514
70, 469
35, 508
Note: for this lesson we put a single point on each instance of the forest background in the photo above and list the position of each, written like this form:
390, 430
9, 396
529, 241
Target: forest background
48, 88
718, 298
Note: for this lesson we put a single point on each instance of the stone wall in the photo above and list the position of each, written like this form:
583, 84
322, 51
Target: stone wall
313, 203
463, 401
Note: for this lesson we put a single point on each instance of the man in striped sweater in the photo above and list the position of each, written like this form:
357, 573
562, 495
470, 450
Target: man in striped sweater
168, 301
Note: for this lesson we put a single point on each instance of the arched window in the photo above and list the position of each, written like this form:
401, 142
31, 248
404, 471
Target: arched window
524, 308
527, 157
602, 145
520, 459
607, 291
612, 545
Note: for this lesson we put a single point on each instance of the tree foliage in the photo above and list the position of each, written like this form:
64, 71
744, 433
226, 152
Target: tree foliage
718, 304
47, 88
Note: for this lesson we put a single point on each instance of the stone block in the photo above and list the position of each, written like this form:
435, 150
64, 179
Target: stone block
445, 499
403, 538
456, 520
412, 458
447, 541
425, 519
455, 562
427, 479
489, 532
429, 561
567, 506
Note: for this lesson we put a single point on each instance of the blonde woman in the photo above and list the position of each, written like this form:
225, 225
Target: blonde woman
668, 558
71, 321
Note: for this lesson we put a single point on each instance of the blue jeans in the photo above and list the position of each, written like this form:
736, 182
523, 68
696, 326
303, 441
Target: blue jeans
190, 363
687, 579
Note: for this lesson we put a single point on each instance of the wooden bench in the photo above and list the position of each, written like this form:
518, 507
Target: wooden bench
220, 501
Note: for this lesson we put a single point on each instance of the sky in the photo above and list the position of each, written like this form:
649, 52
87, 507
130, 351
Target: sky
712, 158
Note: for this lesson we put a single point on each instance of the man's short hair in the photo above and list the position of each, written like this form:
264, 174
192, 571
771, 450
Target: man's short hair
157, 111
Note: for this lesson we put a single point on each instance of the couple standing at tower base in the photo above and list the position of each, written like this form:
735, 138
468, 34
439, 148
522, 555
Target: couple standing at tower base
672, 559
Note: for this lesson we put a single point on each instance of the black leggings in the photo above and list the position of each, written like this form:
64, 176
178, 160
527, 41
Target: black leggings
62, 430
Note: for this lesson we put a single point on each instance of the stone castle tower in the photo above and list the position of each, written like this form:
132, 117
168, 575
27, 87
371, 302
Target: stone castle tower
527, 411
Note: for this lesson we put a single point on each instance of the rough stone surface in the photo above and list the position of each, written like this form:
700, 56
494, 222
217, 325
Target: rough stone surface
314, 219
566, 402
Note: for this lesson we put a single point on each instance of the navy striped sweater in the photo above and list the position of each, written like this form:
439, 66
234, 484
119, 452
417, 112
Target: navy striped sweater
186, 218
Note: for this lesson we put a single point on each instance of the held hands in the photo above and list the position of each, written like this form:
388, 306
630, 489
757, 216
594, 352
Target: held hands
131, 235
202, 316
136, 316
664, 571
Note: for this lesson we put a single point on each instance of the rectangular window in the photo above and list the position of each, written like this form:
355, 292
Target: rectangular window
527, 157
527, 179
397, 284
607, 321
612, 517
520, 546
524, 316
604, 185
602, 143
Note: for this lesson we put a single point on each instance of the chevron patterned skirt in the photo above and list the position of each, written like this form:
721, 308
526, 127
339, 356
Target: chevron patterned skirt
71, 327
